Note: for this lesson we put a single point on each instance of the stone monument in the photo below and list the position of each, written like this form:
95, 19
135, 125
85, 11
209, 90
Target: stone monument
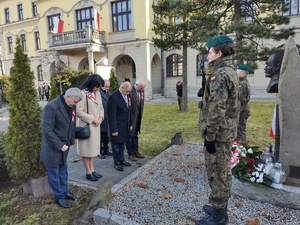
289, 112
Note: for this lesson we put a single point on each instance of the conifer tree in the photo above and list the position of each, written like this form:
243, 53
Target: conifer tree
114, 84
53, 89
24, 135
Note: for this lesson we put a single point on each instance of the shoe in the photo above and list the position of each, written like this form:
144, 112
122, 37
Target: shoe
138, 155
63, 203
108, 153
97, 175
216, 218
102, 156
91, 177
124, 163
71, 196
132, 158
118, 167
209, 210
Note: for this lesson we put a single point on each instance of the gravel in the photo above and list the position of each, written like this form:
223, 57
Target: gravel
172, 188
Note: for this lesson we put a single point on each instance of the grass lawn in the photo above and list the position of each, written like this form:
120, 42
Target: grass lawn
161, 122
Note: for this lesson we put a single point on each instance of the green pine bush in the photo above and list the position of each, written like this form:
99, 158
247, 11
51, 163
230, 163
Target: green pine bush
114, 84
53, 90
23, 138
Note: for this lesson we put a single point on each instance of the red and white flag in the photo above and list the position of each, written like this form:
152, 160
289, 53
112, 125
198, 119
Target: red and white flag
273, 125
58, 25
97, 20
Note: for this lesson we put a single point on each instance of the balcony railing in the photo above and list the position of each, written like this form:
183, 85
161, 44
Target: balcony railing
87, 35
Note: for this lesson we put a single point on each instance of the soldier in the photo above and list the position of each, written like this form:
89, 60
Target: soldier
218, 124
244, 97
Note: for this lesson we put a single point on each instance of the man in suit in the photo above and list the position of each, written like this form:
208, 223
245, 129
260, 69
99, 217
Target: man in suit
119, 122
58, 134
137, 107
104, 125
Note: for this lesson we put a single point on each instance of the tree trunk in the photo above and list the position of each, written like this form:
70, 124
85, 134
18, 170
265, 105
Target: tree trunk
184, 105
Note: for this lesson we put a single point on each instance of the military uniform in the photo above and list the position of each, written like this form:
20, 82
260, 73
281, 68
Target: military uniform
244, 97
218, 123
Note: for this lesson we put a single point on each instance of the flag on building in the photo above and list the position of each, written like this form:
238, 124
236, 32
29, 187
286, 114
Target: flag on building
97, 20
58, 25
273, 125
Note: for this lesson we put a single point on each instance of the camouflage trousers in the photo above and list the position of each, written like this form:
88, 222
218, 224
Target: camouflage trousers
219, 174
241, 129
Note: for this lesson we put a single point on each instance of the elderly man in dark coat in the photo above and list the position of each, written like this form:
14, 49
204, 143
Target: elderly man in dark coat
119, 123
137, 107
58, 134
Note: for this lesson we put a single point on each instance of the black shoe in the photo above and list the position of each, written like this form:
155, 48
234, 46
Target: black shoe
91, 177
217, 218
108, 153
102, 156
63, 203
97, 175
124, 163
209, 210
118, 167
71, 196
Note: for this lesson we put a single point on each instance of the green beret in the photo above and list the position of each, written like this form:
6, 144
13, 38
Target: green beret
243, 67
218, 40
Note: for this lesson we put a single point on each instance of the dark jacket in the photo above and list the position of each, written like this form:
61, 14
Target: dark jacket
137, 108
104, 96
118, 115
58, 128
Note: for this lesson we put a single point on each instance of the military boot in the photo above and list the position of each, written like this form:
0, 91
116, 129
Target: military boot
217, 218
208, 209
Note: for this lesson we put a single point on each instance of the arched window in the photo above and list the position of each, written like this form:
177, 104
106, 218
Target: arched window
40, 73
174, 65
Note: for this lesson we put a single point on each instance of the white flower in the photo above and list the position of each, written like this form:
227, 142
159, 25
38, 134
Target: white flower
250, 151
243, 154
252, 179
260, 180
253, 173
261, 176
257, 174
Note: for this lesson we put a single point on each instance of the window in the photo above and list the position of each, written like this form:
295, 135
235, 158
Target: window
121, 15
6, 12
50, 21
37, 40
201, 65
40, 73
20, 12
84, 17
292, 7
23, 42
174, 65
9, 42
34, 10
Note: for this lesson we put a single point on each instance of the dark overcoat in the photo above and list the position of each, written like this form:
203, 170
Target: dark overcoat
104, 96
58, 129
118, 115
137, 108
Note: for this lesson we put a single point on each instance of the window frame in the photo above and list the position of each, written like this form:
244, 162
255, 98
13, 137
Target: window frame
37, 40
290, 8
23, 42
174, 65
34, 9
50, 21
20, 12
81, 23
121, 15
7, 15
10, 44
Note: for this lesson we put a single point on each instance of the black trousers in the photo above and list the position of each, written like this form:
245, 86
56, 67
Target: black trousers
118, 152
132, 145
104, 142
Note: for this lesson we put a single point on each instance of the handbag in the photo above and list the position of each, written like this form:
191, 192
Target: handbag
83, 132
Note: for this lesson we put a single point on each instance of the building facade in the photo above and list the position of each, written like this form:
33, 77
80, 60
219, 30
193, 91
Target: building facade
121, 40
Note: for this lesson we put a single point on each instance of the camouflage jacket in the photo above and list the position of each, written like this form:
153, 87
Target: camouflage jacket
244, 97
219, 115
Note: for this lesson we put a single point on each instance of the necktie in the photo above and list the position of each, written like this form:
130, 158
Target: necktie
125, 99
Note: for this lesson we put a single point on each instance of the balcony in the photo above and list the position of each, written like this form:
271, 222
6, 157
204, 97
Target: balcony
87, 35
